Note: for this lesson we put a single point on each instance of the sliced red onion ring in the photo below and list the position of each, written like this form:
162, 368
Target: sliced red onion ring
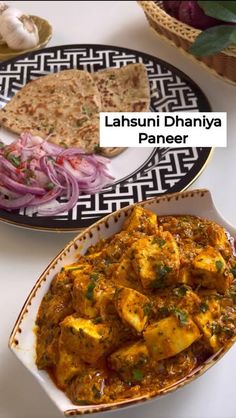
48, 168
52, 194
72, 151
5, 164
51, 149
66, 206
36, 172
19, 187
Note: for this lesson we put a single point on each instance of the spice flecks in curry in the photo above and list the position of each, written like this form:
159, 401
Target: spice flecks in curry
140, 310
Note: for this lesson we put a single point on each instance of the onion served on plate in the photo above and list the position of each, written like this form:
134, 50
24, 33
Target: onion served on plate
34, 172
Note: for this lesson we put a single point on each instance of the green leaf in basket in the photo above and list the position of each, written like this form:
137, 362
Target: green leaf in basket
223, 10
213, 40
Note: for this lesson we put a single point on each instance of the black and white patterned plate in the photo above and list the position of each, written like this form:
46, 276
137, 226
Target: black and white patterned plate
140, 173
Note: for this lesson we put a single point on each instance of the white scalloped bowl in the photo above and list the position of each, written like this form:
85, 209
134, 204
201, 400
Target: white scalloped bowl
22, 340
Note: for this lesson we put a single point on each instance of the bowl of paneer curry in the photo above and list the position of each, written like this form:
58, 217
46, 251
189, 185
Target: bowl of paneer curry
134, 307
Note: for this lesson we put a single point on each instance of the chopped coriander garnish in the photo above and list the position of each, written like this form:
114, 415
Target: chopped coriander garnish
137, 374
219, 265
161, 271
142, 360
203, 307
180, 291
216, 328
16, 161
91, 286
96, 392
181, 315
159, 241
146, 309
49, 186
89, 291
28, 173
97, 320
228, 331
164, 310
63, 144
94, 276
1, 144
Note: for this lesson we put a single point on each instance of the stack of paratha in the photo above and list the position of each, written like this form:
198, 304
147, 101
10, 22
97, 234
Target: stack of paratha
64, 107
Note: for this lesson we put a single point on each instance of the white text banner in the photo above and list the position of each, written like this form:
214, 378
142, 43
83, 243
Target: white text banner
152, 129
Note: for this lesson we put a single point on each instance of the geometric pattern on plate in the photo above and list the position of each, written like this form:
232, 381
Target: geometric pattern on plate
164, 171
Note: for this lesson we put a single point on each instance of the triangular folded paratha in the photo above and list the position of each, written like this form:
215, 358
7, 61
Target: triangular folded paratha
62, 107
124, 89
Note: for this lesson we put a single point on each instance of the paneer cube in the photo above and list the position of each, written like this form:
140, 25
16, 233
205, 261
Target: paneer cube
132, 306
207, 321
86, 339
156, 260
189, 301
210, 270
68, 366
168, 337
130, 361
124, 275
83, 294
141, 220
218, 238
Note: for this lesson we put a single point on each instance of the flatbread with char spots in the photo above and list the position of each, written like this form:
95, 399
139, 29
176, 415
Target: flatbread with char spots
64, 107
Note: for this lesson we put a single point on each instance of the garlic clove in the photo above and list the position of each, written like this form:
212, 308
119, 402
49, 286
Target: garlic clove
19, 33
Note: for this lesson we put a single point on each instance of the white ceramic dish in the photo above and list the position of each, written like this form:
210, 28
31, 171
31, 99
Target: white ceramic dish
22, 340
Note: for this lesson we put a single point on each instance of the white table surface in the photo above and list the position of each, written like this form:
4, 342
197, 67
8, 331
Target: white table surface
24, 254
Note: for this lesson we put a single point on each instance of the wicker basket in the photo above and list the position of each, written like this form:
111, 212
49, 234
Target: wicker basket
222, 64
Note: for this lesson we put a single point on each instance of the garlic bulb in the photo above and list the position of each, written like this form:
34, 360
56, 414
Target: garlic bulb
8, 10
3, 7
18, 32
